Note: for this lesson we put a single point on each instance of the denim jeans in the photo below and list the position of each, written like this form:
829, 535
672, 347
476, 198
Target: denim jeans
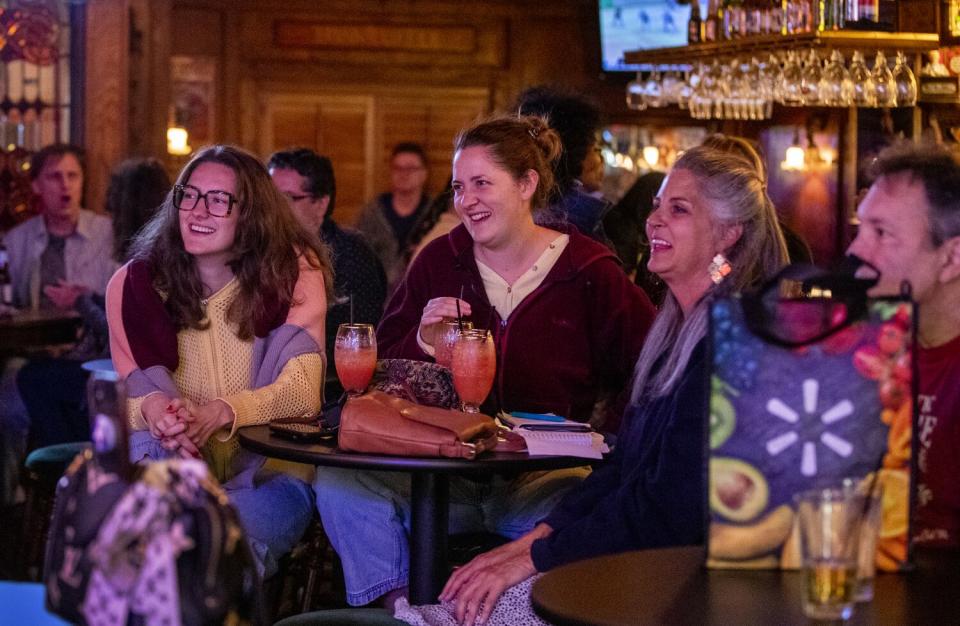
366, 516
274, 508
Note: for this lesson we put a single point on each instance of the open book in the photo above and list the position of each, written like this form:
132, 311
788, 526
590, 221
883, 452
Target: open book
556, 436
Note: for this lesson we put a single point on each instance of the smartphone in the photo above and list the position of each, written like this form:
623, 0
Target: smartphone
299, 431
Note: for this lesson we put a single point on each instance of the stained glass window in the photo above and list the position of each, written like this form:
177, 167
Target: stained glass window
34, 94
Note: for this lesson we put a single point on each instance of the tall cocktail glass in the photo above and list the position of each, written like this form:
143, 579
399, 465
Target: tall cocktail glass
446, 338
474, 366
355, 356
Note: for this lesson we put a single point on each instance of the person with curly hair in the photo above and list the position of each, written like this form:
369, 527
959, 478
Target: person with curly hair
217, 323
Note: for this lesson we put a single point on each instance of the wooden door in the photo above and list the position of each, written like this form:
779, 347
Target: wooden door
358, 127
340, 127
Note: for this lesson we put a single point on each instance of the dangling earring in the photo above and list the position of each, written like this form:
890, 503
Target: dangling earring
719, 268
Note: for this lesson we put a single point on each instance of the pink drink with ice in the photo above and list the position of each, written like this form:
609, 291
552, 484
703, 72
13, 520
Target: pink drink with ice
355, 356
474, 366
355, 367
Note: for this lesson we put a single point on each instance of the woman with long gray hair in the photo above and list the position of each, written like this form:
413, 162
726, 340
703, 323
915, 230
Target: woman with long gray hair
713, 231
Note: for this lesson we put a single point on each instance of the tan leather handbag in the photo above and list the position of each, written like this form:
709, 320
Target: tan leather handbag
383, 424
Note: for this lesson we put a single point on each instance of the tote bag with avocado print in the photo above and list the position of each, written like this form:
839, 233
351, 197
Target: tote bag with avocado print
808, 389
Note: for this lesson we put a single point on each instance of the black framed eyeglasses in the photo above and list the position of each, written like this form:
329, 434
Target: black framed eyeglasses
219, 203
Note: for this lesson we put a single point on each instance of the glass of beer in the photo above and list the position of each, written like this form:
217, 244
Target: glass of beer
446, 337
829, 542
355, 356
474, 366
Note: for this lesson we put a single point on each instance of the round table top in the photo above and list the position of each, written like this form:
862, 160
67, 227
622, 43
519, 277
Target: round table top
671, 586
260, 439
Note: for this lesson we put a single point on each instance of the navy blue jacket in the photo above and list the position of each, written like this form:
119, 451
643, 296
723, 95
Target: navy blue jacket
651, 492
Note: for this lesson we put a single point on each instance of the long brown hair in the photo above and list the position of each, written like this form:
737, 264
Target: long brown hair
266, 250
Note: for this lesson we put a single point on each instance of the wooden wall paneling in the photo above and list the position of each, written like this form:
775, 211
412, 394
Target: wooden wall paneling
346, 134
409, 37
289, 124
149, 77
231, 51
107, 89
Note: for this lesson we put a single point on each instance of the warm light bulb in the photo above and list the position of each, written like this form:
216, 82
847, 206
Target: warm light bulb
828, 155
177, 141
651, 154
795, 159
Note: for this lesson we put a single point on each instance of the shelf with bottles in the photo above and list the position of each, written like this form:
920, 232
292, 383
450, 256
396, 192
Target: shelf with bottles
846, 41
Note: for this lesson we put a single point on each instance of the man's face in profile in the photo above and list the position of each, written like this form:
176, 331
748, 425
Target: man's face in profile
308, 209
894, 236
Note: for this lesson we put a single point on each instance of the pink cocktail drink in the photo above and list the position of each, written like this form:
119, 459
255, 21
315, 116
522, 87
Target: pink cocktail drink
474, 367
355, 366
355, 356
446, 337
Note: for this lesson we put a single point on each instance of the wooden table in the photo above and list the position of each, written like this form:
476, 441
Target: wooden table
670, 586
28, 331
429, 491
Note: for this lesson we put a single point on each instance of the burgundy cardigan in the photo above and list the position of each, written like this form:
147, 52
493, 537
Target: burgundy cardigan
579, 333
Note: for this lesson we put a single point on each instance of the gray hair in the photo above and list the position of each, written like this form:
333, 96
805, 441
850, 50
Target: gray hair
735, 194
938, 170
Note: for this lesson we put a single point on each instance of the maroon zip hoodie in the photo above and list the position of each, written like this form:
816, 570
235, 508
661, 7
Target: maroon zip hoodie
577, 334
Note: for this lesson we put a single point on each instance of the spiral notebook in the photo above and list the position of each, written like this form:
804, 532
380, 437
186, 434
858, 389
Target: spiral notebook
586, 445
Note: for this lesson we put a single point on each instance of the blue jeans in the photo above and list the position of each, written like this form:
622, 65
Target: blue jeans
274, 508
366, 516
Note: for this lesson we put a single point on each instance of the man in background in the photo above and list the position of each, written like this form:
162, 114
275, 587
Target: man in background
910, 232
391, 220
307, 180
64, 251
55, 257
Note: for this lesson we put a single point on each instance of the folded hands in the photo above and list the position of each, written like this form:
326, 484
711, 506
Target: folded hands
182, 426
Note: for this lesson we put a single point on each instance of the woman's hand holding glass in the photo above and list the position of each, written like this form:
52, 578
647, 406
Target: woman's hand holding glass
436, 311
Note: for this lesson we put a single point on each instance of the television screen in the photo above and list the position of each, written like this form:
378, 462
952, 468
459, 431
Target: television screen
641, 24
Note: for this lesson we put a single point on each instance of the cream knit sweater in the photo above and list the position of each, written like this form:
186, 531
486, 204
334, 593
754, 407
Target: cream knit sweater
216, 364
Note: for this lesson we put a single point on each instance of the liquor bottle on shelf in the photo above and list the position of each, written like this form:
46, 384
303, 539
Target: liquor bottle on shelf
6, 283
695, 25
830, 15
869, 10
753, 17
775, 17
733, 14
712, 25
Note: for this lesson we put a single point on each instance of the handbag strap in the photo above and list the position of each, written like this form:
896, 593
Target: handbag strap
842, 295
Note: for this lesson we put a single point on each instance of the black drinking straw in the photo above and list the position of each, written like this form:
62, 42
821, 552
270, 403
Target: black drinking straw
459, 316
351, 308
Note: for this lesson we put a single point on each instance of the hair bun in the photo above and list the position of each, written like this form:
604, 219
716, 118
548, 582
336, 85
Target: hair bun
546, 138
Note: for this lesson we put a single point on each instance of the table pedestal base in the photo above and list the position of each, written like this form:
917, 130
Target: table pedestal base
428, 540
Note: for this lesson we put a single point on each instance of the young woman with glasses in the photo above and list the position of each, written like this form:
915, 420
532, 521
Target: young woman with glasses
218, 323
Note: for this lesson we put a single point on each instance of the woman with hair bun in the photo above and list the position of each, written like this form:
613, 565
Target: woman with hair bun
567, 324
